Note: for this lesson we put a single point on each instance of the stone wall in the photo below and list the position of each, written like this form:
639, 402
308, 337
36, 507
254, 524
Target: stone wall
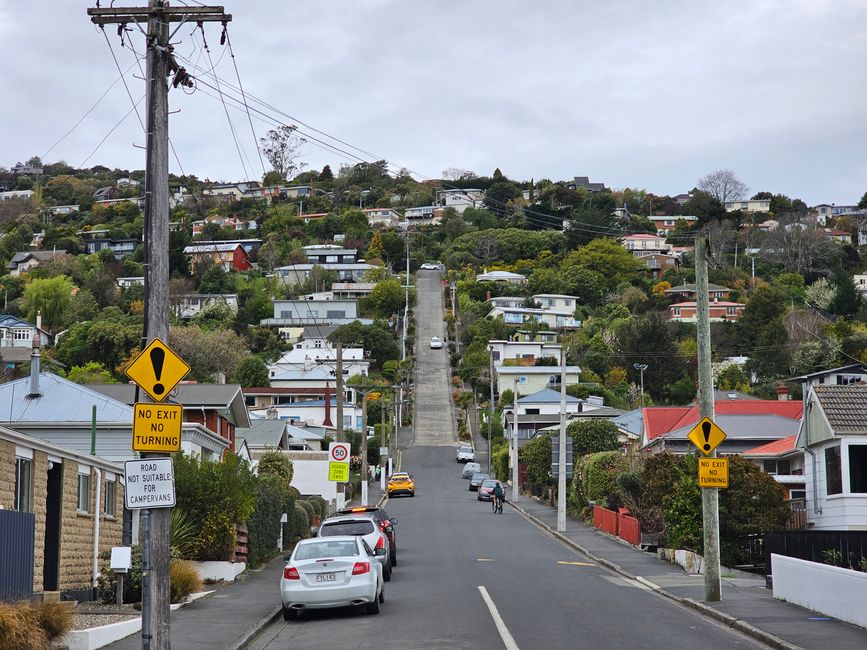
7, 474
76, 535
40, 491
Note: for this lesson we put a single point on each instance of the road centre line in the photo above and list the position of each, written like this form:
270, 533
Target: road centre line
505, 635
575, 563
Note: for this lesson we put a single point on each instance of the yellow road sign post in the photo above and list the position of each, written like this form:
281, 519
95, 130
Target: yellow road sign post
706, 436
157, 427
157, 370
338, 472
713, 472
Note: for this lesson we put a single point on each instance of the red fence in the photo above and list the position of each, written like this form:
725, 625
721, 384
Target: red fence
613, 523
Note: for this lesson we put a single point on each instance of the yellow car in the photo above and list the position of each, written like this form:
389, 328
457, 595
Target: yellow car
401, 483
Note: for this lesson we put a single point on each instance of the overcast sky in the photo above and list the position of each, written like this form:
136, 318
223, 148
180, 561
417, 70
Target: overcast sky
632, 93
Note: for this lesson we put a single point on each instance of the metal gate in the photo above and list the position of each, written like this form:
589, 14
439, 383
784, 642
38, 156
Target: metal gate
17, 531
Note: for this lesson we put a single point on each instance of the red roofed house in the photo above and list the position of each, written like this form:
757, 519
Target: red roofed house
785, 462
231, 256
685, 312
748, 424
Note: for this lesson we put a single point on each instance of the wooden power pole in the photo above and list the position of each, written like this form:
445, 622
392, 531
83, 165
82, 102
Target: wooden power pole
709, 496
160, 64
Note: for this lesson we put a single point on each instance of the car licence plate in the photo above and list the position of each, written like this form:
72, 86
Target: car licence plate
326, 577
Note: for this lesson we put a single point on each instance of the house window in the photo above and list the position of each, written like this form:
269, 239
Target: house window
336, 313
833, 471
532, 411
677, 312
21, 334
774, 466
731, 311
797, 494
83, 493
317, 343
250, 400
23, 485
110, 504
858, 469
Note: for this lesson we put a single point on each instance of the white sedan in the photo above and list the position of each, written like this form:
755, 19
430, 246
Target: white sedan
429, 266
436, 343
332, 572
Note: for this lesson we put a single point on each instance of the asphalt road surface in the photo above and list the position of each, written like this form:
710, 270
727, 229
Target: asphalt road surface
467, 578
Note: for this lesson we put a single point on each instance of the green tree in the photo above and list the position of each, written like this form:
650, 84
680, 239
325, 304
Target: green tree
592, 435
252, 371
761, 330
50, 297
608, 259
733, 377
649, 337
862, 204
385, 299
847, 300
91, 373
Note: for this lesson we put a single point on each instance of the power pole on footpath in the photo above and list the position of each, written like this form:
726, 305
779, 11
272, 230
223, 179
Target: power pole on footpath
709, 496
160, 65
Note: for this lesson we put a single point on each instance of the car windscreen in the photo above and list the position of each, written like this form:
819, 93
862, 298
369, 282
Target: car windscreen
360, 527
479, 477
316, 550
466, 450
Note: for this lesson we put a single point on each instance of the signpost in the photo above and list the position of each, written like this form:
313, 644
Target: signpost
157, 370
149, 483
338, 462
713, 472
157, 427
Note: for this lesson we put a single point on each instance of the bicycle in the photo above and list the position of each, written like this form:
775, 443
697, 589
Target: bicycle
496, 505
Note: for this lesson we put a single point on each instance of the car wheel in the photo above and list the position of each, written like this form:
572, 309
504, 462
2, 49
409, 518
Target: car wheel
373, 608
412, 494
386, 575
382, 595
290, 614
394, 559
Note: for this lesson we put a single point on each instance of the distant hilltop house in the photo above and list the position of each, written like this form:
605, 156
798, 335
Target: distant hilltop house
24, 261
422, 216
460, 199
22, 169
500, 276
641, 244
381, 216
583, 183
666, 224
120, 247
715, 292
188, 305
231, 256
235, 223
656, 264
330, 254
751, 205
839, 236
720, 310
16, 194
16, 340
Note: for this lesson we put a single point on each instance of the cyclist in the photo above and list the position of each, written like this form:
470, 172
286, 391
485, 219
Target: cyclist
497, 497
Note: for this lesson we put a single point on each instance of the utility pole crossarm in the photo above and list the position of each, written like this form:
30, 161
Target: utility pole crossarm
106, 15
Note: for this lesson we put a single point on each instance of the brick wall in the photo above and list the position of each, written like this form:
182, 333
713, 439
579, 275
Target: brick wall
40, 491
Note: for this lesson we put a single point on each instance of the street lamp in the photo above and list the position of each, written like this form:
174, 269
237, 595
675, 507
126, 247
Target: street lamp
641, 367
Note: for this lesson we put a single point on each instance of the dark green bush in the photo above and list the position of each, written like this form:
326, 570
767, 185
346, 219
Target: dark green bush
272, 500
107, 583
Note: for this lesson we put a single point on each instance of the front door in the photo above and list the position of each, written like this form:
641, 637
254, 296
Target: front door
53, 500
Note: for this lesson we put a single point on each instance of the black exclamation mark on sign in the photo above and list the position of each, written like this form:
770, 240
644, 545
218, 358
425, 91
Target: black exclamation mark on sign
158, 356
705, 427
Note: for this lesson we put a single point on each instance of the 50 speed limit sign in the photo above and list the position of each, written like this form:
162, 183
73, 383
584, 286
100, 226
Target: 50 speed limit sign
338, 452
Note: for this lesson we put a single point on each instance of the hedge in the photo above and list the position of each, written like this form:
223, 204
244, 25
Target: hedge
596, 476
272, 500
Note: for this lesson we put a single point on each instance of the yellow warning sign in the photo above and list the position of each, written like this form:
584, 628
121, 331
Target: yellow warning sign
707, 436
157, 427
157, 370
338, 472
713, 472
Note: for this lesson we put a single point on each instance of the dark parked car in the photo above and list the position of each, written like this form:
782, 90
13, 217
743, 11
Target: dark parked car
386, 524
477, 480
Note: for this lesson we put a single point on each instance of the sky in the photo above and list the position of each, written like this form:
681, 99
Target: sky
648, 95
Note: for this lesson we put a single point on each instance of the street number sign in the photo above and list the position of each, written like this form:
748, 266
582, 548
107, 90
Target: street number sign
706, 436
713, 472
149, 483
157, 427
157, 370
338, 472
338, 452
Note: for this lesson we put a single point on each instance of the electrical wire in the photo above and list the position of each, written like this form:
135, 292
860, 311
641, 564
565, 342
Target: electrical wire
244, 97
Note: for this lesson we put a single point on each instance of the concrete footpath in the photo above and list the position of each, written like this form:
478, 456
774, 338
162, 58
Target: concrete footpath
746, 605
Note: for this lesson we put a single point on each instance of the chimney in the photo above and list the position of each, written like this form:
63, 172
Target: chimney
783, 393
34, 365
38, 321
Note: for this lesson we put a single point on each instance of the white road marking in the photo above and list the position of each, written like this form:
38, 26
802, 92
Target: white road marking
505, 635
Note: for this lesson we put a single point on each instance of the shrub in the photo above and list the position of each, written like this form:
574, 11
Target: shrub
182, 534
323, 505
536, 456
294, 492
312, 508
593, 435
276, 463
301, 527
54, 618
500, 462
272, 500
183, 580
222, 494
20, 628
596, 475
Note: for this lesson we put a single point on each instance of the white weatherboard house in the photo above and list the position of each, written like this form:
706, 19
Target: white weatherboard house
833, 436
532, 379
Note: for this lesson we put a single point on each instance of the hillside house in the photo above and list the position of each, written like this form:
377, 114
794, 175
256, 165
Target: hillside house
521, 353
120, 247
665, 224
293, 274
752, 205
641, 244
187, 306
23, 262
231, 256
530, 380
656, 264
784, 461
330, 254
300, 313
500, 276
723, 310
688, 292
551, 318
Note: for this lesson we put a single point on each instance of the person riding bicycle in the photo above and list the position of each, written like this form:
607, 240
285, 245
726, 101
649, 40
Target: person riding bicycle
498, 493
